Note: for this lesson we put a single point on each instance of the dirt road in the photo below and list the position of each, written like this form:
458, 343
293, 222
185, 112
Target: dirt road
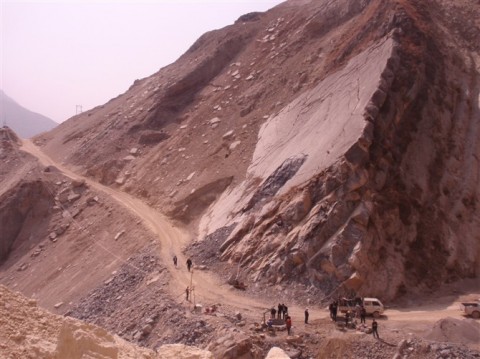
208, 287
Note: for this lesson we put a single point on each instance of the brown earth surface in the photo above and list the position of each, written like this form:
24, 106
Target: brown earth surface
410, 321
317, 150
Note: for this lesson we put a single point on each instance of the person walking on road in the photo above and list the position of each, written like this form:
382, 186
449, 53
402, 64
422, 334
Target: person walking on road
187, 292
272, 313
288, 322
306, 315
375, 329
175, 260
363, 313
285, 311
347, 318
189, 264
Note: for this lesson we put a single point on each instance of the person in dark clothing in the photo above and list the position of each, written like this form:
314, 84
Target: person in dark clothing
335, 309
285, 311
175, 261
187, 292
347, 318
330, 308
280, 311
375, 329
189, 264
306, 316
363, 313
272, 313
288, 322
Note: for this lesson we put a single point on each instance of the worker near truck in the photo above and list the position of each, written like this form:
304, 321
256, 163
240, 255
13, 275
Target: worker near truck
363, 313
375, 329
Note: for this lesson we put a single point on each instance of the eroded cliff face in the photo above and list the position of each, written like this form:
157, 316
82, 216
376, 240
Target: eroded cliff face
26, 207
333, 143
385, 199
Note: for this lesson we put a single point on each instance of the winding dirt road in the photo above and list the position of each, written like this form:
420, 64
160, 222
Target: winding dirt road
208, 288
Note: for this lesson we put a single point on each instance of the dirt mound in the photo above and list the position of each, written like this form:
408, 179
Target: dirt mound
464, 331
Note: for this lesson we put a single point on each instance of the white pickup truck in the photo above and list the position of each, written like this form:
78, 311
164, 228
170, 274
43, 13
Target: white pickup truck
471, 309
373, 306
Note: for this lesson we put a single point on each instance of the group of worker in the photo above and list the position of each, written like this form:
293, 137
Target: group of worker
281, 313
358, 312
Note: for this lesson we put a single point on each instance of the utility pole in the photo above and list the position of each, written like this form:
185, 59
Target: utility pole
192, 289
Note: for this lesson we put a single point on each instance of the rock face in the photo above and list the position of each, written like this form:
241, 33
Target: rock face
26, 206
341, 139
276, 353
377, 206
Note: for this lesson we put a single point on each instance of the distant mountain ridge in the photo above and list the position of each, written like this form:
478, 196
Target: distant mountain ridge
24, 122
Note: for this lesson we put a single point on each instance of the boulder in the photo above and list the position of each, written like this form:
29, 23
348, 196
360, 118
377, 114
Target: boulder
78, 182
276, 353
180, 351
77, 341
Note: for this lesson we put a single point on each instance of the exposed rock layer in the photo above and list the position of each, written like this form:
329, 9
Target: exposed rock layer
341, 137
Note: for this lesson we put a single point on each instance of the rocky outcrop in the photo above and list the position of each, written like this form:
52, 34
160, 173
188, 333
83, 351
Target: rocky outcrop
347, 131
191, 206
276, 353
182, 352
375, 209
27, 205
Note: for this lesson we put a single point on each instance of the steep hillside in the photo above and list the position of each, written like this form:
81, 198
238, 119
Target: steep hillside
23, 121
331, 143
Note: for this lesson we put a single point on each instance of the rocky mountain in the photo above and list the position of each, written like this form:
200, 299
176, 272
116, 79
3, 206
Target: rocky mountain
23, 121
338, 142
319, 149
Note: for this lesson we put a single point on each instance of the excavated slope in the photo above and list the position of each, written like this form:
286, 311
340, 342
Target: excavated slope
333, 143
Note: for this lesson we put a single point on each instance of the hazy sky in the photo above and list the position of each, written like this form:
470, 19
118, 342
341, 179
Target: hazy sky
59, 54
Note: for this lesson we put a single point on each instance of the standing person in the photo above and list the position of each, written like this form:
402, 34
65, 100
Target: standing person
289, 324
347, 317
285, 311
175, 260
187, 291
335, 309
306, 315
375, 329
363, 313
358, 311
330, 308
272, 313
189, 264
280, 310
